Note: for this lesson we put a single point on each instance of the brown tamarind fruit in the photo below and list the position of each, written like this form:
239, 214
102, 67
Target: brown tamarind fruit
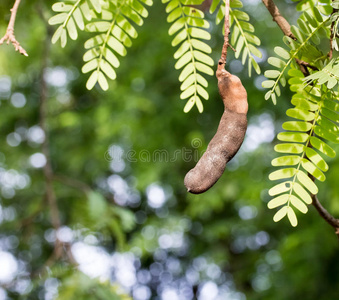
228, 138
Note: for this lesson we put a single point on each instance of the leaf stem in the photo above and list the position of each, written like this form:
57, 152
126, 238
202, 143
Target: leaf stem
222, 60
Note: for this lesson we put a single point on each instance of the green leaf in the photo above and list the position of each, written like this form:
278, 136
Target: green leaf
278, 201
307, 182
92, 80
107, 69
268, 84
326, 134
282, 174
289, 160
188, 92
204, 69
302, 193
184, 60
293, 137
72, 30
280, 188
289, 148
186, 71
280, 214
190, 103
272, 74
298, 204
291, 216
57, 19
102, 81
276, 62
91, 65
297, 126
57, 34
332, 115
312, 169
61, 7
316, 159
322, 146
199, 45
282, 52
301, 114
182, 35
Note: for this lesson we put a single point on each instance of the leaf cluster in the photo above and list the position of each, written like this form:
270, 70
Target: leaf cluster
307, 137
303, 47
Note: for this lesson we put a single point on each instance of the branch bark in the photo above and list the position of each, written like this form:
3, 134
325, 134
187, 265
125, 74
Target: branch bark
9, 35
278, 18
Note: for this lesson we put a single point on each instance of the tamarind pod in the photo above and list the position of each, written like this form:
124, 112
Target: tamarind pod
228, 138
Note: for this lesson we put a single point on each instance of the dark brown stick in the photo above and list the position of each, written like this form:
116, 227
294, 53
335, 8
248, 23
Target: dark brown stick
9, 35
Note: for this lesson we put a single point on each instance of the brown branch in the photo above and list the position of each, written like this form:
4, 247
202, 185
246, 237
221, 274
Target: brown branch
325, 214
9, 35
222, 60
278, 18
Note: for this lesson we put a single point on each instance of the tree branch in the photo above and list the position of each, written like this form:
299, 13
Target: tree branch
9, 35
278, 18
325, 214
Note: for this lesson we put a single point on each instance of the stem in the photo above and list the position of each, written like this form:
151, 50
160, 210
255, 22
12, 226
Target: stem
223, 57
9, 35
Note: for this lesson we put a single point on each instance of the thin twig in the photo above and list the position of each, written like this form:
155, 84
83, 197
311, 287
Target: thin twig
9, 35
222, 60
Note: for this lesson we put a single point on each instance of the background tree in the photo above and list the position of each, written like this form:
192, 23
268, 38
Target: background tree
92, 198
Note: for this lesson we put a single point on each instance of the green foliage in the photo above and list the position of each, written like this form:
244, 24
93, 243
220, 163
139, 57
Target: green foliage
190, 28
72, 16
310, 25
113, 30
329, 75
316, 112
243, 39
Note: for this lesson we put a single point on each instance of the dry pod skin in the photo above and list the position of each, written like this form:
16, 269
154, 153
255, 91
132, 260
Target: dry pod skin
228, 138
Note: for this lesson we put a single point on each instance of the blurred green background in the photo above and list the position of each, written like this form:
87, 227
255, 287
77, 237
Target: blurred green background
129, 230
